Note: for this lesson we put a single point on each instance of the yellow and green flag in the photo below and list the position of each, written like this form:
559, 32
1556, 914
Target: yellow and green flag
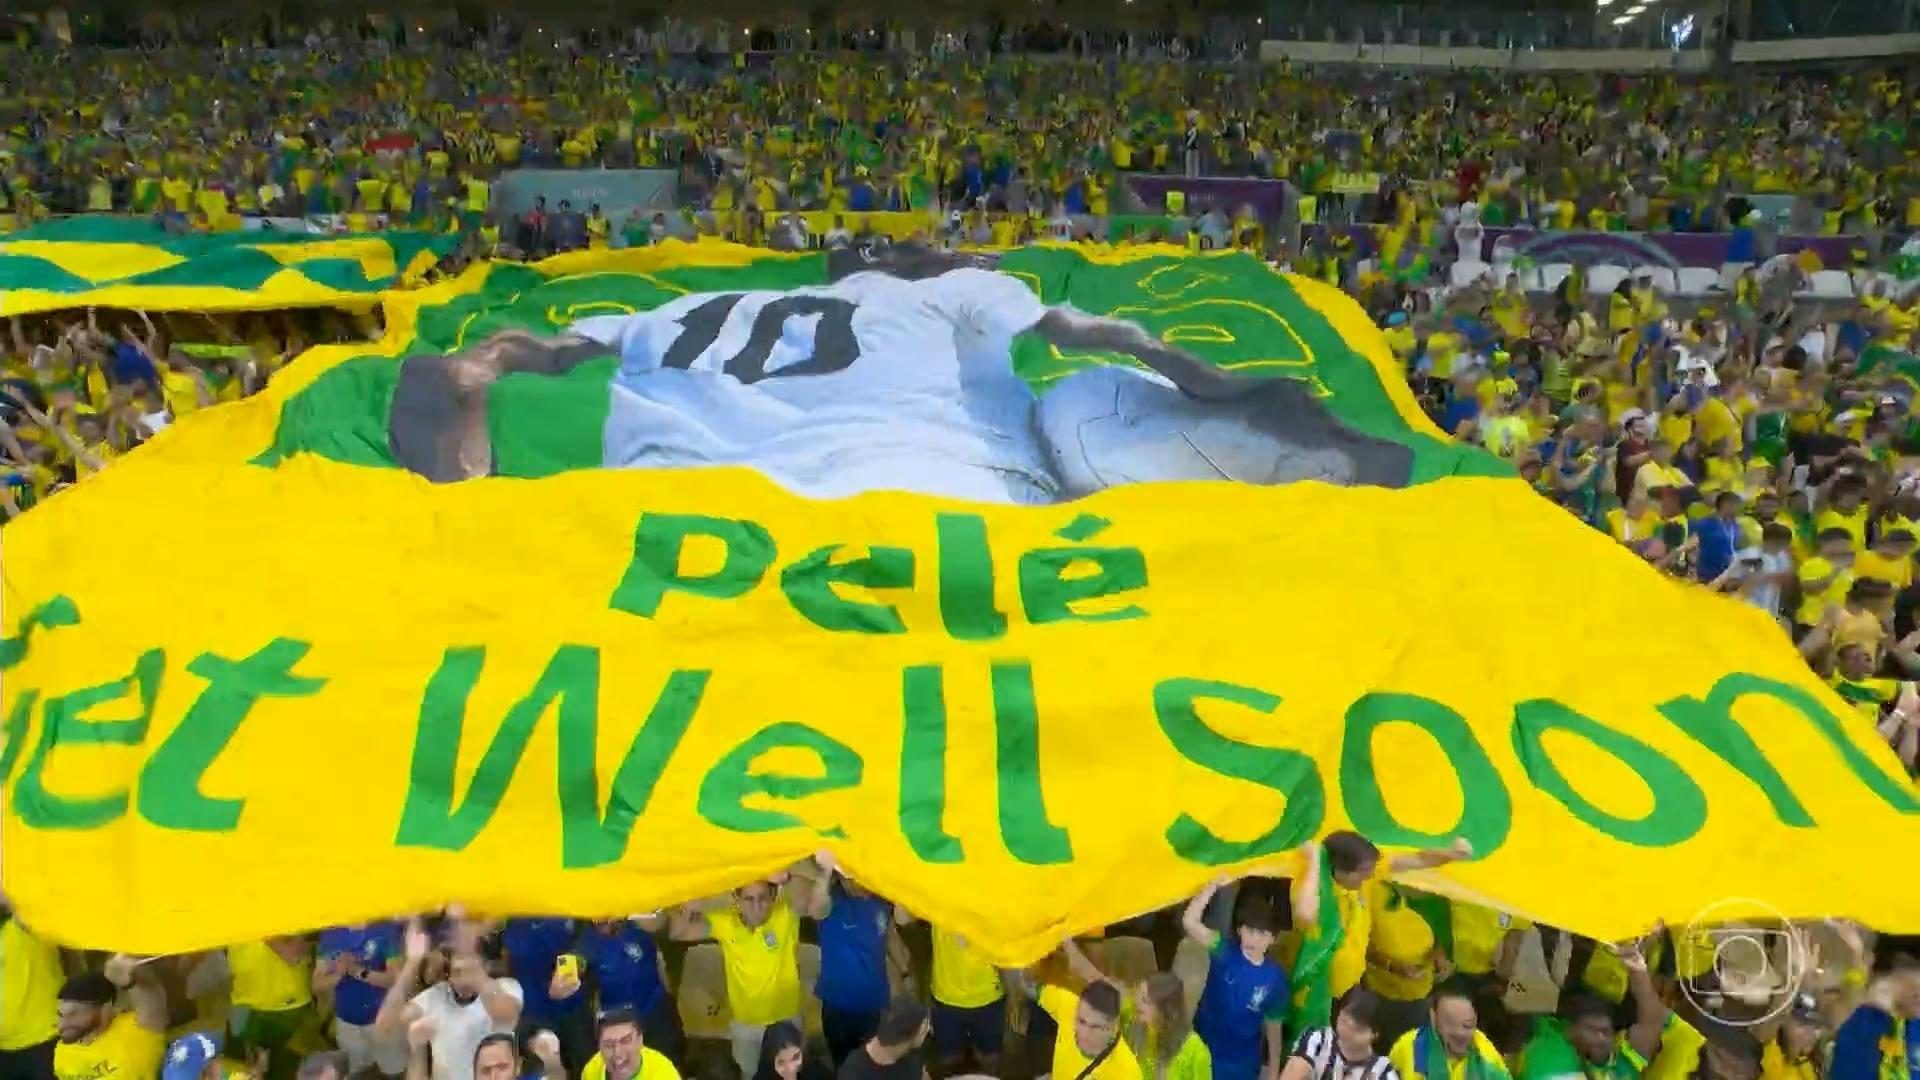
113, 262
1043, 588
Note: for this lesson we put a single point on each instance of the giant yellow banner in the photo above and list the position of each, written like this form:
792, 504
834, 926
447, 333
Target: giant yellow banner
255, 686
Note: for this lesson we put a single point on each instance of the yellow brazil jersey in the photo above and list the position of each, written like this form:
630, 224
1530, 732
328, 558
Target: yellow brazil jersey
1693, 951
1402, 340
1716, 422
263, 980
30, 977
1510, 314
1653, 474
763, 972
962, 977
1607, 976
1723, 474
1068, 1062
653, 1066
1855, 524
1400, 953
102, 451
1814, 602
1676, 428
125, 1051
1477, 935
1442, 349
1349, 961
1679, 1056
177, 192
1402, 1057
1620, 398
1775, 1065
1872, 564
1865, 695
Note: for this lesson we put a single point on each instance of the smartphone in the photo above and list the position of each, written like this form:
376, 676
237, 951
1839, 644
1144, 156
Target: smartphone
567, 967
1800, 473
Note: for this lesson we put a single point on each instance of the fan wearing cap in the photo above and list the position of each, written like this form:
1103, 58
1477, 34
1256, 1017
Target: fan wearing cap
197, 1057
99, 1041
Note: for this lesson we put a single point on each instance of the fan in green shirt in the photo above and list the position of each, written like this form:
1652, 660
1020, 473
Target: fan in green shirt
1583, 1042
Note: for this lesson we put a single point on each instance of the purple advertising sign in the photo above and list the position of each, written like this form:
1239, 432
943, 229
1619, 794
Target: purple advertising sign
1671, 250
1227, 194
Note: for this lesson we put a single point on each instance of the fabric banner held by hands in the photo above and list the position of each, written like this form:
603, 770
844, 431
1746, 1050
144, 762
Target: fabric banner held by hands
1041, 588
123, 263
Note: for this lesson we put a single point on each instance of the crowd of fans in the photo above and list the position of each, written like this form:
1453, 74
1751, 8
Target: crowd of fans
411, 134
810, 975
1758, 444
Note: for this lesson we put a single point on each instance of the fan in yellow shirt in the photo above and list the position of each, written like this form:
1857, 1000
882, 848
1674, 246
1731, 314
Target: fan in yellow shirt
1450, 1034
969, 1010
30, 979
1659, 472
273, 981
598, 229
1847, 509
1890, 559
1399, 962
1088, 1045
759, 938
1357, 871
1486, 943
1826, 577
97, 1042
623, 1055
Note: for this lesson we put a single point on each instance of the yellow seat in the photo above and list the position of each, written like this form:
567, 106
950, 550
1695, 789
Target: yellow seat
1129, 960
703, 993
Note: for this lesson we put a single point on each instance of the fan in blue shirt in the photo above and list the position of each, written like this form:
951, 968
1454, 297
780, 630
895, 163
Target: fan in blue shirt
360, 963
1719, 536
624, 961
360, 950
1246, 996
1875, 1042
534, 948
854, 925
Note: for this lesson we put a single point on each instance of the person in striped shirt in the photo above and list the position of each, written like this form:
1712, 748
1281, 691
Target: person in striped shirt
1343, 1050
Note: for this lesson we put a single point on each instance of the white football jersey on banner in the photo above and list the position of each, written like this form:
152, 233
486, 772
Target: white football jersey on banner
871, 383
